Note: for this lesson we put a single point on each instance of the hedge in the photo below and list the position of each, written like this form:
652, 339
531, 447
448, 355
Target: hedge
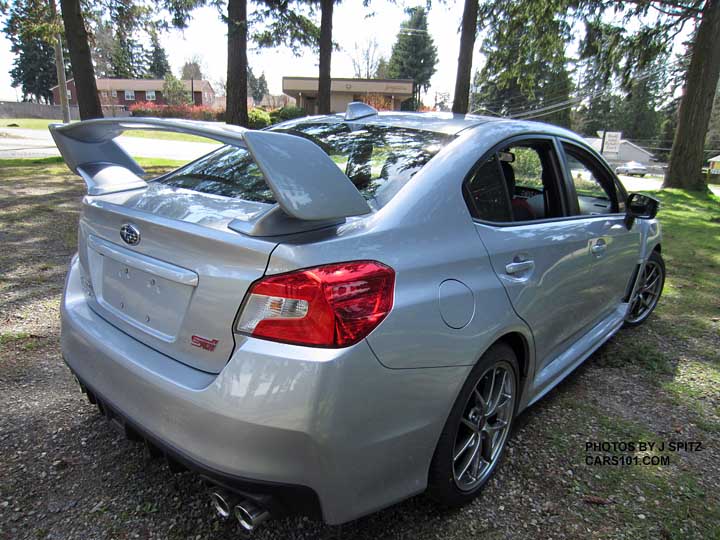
190, 112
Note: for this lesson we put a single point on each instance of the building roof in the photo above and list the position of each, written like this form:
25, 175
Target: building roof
596, 144
146, 84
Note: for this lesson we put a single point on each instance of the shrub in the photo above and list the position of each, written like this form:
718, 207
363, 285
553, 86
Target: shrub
258, 119
189, 112
290, 112
174, 91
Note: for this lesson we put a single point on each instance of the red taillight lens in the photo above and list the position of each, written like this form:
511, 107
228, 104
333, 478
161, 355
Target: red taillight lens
334, 305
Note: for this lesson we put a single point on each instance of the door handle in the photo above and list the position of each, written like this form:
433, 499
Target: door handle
599, 247
519, 266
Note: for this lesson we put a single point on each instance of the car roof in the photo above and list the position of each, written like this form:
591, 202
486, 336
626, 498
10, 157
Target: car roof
444, 122
440, 122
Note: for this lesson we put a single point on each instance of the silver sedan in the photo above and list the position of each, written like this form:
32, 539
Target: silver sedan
343, 311
632, 168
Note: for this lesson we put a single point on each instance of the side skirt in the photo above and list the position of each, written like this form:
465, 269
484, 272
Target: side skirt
577, 353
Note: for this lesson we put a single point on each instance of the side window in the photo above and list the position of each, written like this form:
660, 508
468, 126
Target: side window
487, 192
517, 183
595, 189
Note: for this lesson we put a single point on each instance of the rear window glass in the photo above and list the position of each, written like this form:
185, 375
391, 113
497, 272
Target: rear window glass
377, 159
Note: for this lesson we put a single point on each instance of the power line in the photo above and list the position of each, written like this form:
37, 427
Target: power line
566, 104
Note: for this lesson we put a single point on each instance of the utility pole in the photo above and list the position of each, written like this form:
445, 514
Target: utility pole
60, 69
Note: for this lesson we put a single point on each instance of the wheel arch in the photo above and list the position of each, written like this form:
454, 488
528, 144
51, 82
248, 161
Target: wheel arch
520, 346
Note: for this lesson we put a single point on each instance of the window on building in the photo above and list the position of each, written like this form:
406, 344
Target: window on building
104, 93
113, 93
150, 95
129, 95
69, 93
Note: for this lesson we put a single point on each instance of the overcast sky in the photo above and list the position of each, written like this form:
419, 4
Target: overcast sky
206, 37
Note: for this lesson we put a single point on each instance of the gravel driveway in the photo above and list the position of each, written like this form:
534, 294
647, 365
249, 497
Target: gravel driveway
66, 474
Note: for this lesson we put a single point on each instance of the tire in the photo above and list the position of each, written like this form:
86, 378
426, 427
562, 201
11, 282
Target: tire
639, 313
444, 486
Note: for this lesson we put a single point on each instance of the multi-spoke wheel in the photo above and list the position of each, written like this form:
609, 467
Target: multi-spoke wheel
648, 290
473, 440
484, 426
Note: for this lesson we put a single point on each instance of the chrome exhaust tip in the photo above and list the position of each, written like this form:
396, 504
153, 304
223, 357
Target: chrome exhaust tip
222, 503
249, 515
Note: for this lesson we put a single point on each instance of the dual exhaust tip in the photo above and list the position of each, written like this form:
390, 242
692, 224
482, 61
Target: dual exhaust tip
248, 514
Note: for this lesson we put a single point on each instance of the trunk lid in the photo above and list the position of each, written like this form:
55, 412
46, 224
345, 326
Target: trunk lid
179, 288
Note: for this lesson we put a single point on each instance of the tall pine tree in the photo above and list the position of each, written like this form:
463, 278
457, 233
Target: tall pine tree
526, 65
158, 66
414, 54
28, 30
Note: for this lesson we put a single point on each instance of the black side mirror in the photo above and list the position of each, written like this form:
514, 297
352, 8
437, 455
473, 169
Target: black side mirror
639, 206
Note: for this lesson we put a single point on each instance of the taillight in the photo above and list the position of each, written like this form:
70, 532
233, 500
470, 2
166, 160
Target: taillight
334, 305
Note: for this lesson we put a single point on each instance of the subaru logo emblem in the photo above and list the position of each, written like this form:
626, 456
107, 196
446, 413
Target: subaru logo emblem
130, 234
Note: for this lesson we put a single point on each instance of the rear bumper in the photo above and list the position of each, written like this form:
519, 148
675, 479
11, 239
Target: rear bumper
279, 499
330, 425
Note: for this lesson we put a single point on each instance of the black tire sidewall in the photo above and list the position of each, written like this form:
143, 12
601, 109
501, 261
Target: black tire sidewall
441, 485
655, 257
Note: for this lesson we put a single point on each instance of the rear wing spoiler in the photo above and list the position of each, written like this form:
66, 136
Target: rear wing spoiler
306, 183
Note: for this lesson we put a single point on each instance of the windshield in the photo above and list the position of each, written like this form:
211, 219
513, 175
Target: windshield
379, 160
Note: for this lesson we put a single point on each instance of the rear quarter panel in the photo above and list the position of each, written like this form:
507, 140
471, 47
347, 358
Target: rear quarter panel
426, 234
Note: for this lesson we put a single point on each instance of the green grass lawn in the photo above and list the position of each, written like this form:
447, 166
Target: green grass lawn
43, 123
10, 168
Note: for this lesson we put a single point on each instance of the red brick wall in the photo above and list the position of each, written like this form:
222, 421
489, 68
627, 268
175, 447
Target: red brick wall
106, 97
73, 94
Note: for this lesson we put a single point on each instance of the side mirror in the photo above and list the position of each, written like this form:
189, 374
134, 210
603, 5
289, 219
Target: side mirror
639, 206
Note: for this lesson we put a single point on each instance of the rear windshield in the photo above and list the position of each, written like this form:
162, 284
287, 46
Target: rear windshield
378, 159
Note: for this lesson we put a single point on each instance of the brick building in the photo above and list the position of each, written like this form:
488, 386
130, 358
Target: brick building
125, 92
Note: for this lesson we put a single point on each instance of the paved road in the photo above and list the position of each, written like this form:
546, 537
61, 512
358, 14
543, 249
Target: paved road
34, 143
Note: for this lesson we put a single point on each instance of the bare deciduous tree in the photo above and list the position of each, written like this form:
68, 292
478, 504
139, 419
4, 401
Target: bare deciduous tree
365, 59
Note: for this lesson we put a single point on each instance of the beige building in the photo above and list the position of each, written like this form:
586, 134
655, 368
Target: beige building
381, 93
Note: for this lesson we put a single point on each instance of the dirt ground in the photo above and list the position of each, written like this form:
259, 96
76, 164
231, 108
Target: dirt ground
65, 473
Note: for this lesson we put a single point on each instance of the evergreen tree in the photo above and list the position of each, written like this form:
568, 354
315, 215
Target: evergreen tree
526, 66
257, 86
414, 54
128, 58
668, 125
103, 49
627, 84
192, 69
382, 69
158, 61
34, 63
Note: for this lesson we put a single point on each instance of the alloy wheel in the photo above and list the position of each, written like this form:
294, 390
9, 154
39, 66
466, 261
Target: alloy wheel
484, 427
647, 293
